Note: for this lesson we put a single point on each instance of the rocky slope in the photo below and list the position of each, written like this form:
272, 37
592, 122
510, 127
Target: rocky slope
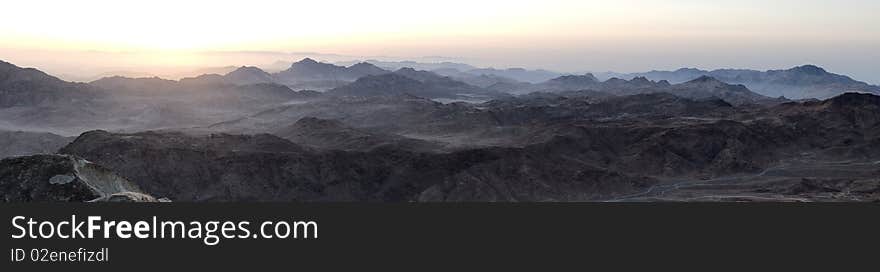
49, 178
268, 168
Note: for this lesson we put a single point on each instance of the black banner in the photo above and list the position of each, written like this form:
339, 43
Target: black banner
453, 236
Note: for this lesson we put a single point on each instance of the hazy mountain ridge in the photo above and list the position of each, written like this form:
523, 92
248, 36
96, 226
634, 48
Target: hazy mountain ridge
410, 81
518, 74
465, 72
309, 70
426, 66
807, 81
38, 102
31, 87
22, 143
700, 88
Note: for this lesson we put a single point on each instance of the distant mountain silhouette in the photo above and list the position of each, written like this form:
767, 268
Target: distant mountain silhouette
572, 82
363, 69
558, 84
144, 84
807, 81
33, 101
382, 85
311, 70
466, 72
700, 88
426, 66
413, 82
706, 87
248, 75
518, 74
32, 87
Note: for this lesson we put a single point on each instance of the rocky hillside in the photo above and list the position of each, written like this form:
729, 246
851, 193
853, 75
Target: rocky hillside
45, 178
268, 168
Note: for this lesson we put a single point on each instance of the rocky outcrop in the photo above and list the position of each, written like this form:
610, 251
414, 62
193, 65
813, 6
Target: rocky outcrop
48, 178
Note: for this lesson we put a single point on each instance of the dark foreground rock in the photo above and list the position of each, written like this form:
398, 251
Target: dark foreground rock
46, 178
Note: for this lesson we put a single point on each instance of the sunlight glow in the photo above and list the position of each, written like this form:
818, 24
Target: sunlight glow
555, 34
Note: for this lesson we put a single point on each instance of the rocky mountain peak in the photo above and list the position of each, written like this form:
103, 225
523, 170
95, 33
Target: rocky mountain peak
640, 80
11, 73
306, 61
248, 75
363, 64
689, 70
308, 64
586, 78
406, 70
248, 69
809, 69
705, 79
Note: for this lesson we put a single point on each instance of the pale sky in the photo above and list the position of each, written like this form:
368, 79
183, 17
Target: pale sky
71, 37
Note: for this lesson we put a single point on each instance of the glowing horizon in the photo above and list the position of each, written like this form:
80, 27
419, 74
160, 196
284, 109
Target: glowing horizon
625, 36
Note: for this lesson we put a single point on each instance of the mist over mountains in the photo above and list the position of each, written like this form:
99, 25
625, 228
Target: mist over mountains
807, 81
370, 131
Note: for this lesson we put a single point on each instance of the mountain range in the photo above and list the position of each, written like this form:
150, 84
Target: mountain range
31, 87
700, 88
807, 81
406, 136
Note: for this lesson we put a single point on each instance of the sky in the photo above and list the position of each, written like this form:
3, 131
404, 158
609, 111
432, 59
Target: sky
98, 36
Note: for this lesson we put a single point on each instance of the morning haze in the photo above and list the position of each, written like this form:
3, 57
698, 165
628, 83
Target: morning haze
83, 39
